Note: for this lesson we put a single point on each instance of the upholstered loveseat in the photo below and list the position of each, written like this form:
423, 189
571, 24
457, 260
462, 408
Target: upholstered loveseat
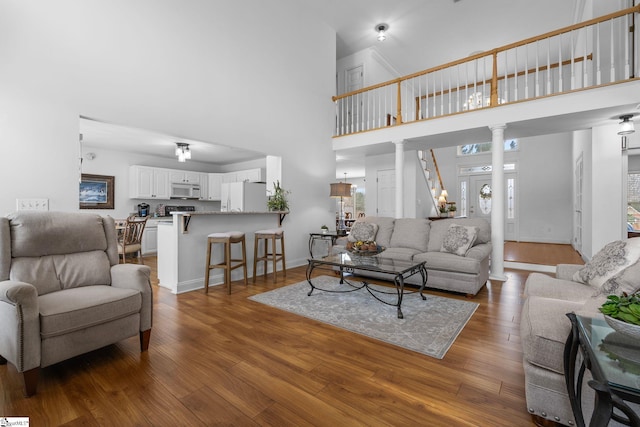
418, 239
62, 291
544, 326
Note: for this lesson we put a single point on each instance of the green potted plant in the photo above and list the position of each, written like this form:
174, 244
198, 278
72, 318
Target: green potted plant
452, 209
443, 210
278, 199
324, 228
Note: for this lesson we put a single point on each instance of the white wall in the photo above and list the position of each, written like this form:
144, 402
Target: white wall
375, 68
582, 147
545, 178
203, 70
606, 183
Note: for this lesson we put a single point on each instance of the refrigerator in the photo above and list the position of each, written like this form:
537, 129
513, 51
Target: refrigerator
243, 197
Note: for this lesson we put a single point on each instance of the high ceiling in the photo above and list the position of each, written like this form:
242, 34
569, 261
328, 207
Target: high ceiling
421, 34
424, 34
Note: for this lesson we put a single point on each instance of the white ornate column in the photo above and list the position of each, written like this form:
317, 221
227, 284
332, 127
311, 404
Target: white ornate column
497, 202
399, 178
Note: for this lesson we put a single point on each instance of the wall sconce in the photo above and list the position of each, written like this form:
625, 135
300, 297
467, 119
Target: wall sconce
183, 152
626, 125
381, 29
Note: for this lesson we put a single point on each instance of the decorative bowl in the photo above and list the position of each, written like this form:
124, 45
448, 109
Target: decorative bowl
359, 252
623, 327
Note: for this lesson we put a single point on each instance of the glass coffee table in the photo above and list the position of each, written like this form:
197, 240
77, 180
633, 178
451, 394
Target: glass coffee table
614, 362
349, 263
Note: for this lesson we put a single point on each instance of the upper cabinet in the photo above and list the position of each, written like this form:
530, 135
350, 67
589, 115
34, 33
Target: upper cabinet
184, 177
214, 182
148, 183
249, 175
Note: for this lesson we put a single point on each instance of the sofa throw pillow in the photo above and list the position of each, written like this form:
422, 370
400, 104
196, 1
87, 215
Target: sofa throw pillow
609, 261
363, 231
459, 239
627, 280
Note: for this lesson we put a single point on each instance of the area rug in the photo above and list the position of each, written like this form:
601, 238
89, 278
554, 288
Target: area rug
429, 326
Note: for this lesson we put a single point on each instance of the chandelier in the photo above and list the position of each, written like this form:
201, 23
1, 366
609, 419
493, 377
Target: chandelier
182, 151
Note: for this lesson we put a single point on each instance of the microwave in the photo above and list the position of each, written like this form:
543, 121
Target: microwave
180, 190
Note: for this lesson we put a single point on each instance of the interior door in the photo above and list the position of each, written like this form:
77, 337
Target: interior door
386, 192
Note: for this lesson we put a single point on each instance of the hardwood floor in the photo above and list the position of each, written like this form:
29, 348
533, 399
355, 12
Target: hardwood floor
221, 359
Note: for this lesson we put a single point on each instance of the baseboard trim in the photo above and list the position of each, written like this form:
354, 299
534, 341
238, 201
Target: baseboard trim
530, 267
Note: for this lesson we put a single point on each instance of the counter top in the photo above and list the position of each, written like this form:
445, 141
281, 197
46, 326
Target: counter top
186, 216
228, 213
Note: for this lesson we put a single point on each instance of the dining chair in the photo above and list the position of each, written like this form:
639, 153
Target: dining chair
130, 240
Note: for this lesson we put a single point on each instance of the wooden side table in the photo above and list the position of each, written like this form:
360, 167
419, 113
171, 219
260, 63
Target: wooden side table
614, 362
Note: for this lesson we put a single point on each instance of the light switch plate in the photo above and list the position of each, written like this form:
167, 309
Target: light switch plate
32, 204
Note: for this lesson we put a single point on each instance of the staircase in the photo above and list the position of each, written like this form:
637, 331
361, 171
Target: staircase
432, 179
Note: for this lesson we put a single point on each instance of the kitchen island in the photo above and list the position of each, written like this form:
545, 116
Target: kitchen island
182, 245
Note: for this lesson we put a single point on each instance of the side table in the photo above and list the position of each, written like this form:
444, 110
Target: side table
614, 362
329, 235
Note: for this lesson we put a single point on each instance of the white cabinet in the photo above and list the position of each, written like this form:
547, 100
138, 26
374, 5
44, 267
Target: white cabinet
214, 181
150, 238
148, 183
249, 175
184, 177
228, 177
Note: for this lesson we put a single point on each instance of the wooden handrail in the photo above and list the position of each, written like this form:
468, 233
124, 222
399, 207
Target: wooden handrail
493, 52
433, 156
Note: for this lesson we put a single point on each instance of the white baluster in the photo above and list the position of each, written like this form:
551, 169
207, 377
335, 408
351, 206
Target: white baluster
612, 77
585, 67
441, 96
626, 33
598, 71
526, 72
537, 72
573, 74
458, 88
548, 67
506, 77
560, 63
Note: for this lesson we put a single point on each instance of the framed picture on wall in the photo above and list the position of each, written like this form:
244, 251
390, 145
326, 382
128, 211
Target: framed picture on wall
96, 191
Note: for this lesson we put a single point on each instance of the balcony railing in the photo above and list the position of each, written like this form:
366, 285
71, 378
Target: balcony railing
590, 54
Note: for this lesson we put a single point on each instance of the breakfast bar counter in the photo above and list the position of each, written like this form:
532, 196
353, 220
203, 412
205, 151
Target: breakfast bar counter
182, 245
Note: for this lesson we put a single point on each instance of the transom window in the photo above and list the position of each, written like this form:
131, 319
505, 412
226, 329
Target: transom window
485, 147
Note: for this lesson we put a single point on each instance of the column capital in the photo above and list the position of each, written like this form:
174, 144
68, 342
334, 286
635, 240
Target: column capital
399, 142
498, 126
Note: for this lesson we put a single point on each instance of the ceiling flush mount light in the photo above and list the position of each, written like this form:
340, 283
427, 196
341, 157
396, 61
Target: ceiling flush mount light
382, 29
626, 125
183, 152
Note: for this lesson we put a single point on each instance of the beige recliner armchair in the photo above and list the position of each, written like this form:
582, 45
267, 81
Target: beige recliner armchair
62, 291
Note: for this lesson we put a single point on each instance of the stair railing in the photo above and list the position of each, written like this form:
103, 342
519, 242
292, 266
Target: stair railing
590, 54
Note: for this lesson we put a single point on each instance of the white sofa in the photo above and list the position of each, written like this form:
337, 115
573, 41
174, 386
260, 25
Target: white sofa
422, 240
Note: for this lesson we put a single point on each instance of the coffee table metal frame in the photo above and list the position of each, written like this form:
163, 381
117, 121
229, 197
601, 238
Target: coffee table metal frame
348, 263
609, 394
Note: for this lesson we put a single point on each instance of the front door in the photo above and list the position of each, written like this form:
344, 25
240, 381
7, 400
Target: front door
481, 198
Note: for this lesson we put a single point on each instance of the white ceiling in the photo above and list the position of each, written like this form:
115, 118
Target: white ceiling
422, 34
122, 138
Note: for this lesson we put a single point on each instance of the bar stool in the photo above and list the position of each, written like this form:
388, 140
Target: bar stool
272, 235
226, 239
